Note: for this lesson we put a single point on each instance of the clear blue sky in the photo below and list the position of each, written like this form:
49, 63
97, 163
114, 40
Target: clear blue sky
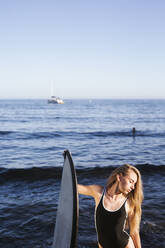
87, 48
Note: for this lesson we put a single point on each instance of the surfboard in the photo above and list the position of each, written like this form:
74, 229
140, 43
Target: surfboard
66, 226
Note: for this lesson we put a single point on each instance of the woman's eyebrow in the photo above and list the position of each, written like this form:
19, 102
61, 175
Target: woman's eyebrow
131, 179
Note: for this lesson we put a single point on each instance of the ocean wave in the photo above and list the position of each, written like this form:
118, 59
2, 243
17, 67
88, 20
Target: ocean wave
30, 174
125, 134
27, 135
45, 173
53, 134
5, 132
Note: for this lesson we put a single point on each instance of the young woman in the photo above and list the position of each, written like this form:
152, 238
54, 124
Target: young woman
117, 205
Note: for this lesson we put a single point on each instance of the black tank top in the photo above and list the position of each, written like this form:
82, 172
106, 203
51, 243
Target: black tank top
110, 226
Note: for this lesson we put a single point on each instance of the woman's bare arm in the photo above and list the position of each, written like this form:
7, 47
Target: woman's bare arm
136, 239
135, 236
91, 190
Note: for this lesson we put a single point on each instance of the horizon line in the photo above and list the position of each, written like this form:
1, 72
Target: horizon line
85, 98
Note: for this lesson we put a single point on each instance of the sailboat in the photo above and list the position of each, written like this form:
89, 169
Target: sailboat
54, 99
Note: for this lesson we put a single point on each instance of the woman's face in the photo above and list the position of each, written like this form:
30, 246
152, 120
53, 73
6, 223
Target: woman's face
127, 183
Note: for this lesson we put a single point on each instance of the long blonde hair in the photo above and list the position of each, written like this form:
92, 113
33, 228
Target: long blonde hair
135, 197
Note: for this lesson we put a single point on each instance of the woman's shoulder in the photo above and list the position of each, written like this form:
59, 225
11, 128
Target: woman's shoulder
93, 190
97, 188
97, 193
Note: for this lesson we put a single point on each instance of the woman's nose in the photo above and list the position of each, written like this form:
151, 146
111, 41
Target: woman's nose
132, 186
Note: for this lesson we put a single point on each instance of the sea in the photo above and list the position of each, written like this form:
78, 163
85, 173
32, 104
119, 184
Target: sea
98, 133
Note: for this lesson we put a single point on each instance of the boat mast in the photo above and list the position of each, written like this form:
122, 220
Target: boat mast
52, 89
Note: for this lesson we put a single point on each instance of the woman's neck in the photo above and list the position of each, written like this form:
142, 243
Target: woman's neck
114, 193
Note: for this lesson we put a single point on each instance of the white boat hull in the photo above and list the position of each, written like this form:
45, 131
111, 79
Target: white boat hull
55, 100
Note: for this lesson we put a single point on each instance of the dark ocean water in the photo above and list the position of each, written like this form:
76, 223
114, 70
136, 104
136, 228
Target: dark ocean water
33, 136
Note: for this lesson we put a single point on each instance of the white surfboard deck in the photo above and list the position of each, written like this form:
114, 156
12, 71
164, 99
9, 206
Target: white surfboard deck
67, 213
